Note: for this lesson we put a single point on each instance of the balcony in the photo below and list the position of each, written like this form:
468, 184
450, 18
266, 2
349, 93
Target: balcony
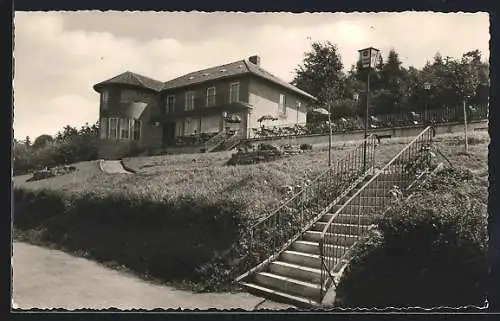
209, 105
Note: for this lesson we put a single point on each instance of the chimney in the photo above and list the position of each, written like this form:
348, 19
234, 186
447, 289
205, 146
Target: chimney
255, 60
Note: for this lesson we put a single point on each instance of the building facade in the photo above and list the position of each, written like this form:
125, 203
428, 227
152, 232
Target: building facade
137, 112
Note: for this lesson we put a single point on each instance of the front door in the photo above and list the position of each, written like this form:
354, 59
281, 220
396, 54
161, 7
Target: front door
168, 133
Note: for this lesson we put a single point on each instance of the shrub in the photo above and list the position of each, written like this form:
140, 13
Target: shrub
431, 251
167, 240
306, 146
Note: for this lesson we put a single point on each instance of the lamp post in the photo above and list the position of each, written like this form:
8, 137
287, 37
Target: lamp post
368, 58
427, 87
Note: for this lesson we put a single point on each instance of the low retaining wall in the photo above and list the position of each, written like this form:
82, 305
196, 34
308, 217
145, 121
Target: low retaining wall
447, 128
359, 134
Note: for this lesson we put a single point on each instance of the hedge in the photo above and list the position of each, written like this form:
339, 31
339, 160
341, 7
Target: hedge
168, 240
428, 251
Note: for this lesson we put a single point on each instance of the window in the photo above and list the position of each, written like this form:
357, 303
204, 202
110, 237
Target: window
282, 106
124, 128
170, 105
137, 130
189, 105
103, 128
211, 96
234, 92
113, 128
104, 99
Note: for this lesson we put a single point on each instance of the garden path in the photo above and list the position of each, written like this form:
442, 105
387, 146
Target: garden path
45, 278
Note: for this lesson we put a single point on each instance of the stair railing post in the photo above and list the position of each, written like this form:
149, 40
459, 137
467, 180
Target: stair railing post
322, 267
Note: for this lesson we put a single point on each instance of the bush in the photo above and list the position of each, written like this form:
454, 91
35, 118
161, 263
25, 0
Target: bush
306, 146
431, 251
69, 146
53, 172
166, 240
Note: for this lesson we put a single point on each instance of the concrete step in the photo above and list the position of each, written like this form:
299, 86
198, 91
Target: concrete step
355, 209
335, 239
304, 259
305, 246
352, 229
296, 271
368, 200
312, 247
279, 296
288, 285
348, 219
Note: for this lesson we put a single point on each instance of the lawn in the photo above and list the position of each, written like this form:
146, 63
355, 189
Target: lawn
199, 176
205, 176
178, 212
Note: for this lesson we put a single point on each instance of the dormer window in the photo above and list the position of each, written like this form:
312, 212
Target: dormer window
223, 70
191, 77
206, 74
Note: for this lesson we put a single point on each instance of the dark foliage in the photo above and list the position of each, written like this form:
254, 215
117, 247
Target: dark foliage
430, 250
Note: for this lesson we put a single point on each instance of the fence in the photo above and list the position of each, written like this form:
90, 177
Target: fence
373, 196
346, 124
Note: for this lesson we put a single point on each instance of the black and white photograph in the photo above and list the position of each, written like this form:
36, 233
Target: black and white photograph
255, 161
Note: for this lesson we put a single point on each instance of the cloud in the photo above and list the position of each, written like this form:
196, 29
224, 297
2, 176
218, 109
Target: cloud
60, 56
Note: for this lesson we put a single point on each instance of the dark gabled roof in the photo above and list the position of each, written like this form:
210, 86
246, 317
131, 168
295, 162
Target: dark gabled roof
132, 79
236, 68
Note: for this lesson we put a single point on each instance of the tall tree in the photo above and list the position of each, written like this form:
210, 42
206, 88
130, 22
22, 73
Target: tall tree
42, 141
394, 85
321, 73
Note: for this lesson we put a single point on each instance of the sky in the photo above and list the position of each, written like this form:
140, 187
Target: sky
59, 56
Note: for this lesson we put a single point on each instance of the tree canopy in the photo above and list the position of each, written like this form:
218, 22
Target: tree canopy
393, 87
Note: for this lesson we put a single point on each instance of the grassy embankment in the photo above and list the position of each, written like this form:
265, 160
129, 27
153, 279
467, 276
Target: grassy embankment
177, 212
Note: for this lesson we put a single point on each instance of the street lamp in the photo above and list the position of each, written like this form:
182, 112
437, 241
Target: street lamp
427, 87
368, 58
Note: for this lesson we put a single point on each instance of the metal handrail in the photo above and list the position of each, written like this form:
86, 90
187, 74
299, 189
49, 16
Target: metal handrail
271, 232
316, 179
327, 268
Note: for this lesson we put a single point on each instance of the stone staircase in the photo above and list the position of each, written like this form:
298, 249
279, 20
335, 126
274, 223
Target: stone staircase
228, 143
303, 273
222, 141
295, 276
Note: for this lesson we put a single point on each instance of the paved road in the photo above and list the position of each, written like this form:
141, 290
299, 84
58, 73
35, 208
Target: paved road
45, 278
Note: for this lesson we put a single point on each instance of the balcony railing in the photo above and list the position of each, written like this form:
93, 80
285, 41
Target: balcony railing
200, 102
